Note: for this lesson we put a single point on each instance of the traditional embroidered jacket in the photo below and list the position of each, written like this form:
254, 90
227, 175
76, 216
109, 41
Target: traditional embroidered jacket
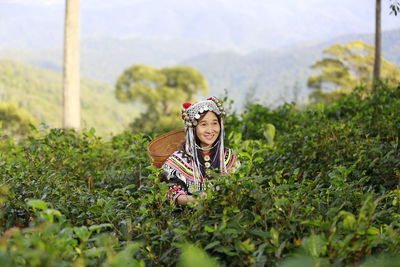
178, 170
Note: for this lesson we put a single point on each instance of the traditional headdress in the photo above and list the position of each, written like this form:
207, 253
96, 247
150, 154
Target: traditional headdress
190, 114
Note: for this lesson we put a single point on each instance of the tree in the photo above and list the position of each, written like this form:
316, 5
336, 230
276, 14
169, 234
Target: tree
395, 7
346, 67
71, 78
15, 121
160, 92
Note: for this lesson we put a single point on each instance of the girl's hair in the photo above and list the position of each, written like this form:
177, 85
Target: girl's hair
214, 151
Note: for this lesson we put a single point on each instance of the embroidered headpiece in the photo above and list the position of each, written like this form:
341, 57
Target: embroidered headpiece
190, 114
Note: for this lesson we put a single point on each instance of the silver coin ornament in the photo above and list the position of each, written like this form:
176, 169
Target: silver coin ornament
192, 113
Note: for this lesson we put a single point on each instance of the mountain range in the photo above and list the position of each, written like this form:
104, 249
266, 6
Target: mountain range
273, 75
280, 75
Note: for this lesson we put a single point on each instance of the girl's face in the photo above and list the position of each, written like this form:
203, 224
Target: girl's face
207, 129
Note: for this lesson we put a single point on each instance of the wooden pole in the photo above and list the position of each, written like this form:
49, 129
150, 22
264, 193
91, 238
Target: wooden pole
71, 78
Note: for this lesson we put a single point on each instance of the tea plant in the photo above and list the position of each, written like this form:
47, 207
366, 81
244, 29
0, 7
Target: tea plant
318, 185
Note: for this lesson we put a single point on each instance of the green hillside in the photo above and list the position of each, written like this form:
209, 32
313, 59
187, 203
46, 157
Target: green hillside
40, 91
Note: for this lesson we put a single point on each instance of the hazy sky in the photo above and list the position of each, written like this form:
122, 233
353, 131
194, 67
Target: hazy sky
241, 24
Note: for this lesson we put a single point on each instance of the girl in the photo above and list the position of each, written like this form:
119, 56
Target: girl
188, 169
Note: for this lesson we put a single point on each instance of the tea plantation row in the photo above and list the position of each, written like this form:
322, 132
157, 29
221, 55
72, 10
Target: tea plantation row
320, 187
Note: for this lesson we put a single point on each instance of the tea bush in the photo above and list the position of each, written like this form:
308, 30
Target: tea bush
64, 169
318, 185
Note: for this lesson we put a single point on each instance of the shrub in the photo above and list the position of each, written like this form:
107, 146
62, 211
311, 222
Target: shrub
323, 190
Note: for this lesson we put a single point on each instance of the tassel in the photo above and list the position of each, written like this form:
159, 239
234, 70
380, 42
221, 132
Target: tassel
192, 151
221, 149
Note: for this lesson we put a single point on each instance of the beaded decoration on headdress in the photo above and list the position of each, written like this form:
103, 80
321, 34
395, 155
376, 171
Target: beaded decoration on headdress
190, 114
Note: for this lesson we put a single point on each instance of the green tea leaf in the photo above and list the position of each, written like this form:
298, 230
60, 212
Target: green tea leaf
195, 257
315, 245
37, 204
212, 244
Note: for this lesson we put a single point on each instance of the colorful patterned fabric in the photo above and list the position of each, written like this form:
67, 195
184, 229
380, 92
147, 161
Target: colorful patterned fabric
178, 170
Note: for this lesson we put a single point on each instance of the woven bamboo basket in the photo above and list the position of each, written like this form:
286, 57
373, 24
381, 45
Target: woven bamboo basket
163, 146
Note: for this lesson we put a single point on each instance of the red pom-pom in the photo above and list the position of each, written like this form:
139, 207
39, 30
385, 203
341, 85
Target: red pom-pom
210, 98
186, 105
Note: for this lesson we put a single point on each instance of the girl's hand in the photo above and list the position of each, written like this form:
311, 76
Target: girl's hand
185, 199
203, 194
